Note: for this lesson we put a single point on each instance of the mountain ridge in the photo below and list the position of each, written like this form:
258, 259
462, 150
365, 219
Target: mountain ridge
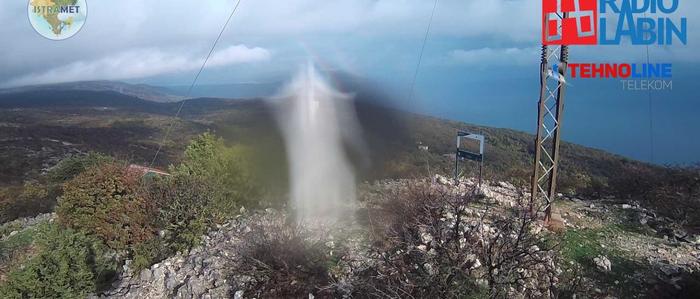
393, 135
142, 91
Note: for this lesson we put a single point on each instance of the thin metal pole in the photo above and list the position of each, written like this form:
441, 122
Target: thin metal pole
481, 165
481, 152
457, 161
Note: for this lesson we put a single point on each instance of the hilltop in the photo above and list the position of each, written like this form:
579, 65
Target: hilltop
218, 224
604, 251
141, 91
43, 125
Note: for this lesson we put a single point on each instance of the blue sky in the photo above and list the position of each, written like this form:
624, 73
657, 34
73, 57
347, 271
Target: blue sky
480, 63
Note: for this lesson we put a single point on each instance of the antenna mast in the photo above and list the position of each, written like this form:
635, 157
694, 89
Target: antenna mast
549, 118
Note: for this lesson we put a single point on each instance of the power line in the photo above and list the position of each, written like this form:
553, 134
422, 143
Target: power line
651, 113
420, 56
415, 74
651, 119
189, 90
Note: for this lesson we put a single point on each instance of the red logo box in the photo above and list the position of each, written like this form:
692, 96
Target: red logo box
569, 22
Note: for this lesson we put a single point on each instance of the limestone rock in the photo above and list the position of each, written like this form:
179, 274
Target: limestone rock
602, 263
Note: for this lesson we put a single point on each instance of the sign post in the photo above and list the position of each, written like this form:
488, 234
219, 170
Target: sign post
462, 154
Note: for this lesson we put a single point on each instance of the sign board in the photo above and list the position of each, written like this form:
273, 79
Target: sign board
463, 154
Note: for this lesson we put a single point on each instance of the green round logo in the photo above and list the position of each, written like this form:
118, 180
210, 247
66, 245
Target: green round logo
57, 19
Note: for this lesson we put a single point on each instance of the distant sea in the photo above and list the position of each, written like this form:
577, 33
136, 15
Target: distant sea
597, 113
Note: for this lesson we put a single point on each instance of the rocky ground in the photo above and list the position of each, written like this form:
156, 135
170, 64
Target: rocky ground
637, 252
204, 271
14, 227
200, 273
656, 240
608, 249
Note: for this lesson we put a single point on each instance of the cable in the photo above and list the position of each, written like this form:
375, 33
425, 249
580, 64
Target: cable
189, 90
415, 74
651, 119
420, 56
651, 114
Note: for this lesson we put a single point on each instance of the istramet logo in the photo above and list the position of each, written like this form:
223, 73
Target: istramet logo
569, 22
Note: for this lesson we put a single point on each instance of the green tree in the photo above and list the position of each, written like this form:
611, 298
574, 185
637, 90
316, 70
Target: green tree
224, 168
72, 166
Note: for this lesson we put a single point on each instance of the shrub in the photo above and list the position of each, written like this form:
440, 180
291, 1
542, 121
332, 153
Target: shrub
223, 168
69, 265
185, 209
517, 261
184, 215
72, 166
677, 196
30, 200
16, 249
105, 201
672, 192
430, 242
35, 198
597, 188
414, 253
282, 261
572, 183
148, 253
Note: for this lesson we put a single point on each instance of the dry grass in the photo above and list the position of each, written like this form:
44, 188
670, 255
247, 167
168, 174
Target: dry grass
280, 260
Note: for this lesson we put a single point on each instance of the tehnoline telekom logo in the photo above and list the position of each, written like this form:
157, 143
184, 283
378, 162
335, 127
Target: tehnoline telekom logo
57, 19
609, 22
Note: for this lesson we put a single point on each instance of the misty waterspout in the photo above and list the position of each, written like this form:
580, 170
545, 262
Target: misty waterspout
318, 123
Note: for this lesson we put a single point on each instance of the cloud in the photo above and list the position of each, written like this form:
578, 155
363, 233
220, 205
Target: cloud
495, 56
137, 24
237, 54
141, 63
362, 32
509, 19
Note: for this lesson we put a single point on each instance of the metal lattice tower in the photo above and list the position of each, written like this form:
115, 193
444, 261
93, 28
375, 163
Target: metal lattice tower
549, 116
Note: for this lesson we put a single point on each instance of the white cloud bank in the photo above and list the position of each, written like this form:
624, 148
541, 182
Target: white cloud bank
366, 31
140, 63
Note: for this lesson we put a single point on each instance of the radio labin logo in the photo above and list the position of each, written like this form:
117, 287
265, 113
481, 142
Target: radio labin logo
586, 22
609, 22
570, 22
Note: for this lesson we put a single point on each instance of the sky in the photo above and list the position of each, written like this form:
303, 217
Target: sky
480, 62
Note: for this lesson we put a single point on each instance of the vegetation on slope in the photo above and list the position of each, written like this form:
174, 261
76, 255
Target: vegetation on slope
108, 213
149, 219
